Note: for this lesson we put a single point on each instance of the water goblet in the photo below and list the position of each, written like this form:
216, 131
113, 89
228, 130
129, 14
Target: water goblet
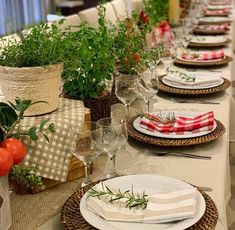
114, 137
85, 145
126, 90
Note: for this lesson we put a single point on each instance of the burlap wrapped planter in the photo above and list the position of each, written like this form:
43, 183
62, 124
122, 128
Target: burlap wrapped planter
5, 209
32, 83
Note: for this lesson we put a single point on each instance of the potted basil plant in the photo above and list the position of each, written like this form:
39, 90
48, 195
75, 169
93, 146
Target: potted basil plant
92, 64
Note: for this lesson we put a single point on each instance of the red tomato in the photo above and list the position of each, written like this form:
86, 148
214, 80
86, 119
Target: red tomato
6, 161
16, 148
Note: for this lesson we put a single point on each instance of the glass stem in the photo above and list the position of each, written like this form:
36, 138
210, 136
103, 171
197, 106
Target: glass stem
147, 102
87, 173
113, 169
127, 111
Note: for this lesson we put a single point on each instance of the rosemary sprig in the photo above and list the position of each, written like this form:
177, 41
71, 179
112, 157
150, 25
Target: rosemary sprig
138, 201
160, 118
183, 76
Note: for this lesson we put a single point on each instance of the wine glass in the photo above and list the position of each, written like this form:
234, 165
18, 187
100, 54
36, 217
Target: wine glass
114, 137
85, 145
146, 90
126, 90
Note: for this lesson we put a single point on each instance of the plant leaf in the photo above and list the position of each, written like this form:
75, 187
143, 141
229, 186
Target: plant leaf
43, 123
33, 133
51, 128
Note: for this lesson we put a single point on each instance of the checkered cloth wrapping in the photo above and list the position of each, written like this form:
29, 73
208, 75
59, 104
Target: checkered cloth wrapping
224, 26
203, 122
53, 158
204, 56
218, 12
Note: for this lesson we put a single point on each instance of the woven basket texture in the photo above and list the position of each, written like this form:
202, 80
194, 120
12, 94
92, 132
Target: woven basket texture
32, 83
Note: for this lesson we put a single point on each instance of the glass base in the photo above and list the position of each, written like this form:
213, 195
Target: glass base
112, 175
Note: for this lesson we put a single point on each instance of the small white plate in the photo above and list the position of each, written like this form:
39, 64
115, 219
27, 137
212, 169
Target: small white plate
150, 183
208, 39
137, 126
219, 7
214, 19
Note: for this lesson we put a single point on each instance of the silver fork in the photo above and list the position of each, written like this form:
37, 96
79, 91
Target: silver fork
182, 154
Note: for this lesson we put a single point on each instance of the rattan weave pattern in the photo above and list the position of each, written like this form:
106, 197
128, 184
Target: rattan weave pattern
193, 92
212, 63
215, 22
208, 32
72, 219
132, 132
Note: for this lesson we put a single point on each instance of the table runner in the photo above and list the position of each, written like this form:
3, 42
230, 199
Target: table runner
53, 158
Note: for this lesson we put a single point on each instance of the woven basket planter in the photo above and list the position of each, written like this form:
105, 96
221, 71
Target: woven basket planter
5, 209
32, 83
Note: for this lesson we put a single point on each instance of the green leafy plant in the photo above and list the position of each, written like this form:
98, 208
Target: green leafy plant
26, 175
92, 62
42, 45
10, 116
157, 10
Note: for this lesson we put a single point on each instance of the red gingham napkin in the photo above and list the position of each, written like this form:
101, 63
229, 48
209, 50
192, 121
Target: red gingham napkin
199, 123
224, 26
218, 12
204, 56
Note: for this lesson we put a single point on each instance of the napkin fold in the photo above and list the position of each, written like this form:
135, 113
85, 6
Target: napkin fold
172, 206
161, 208
199, 123
192, 79
224, 26
204, 56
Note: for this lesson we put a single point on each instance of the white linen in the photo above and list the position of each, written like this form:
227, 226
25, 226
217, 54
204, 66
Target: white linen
207, 39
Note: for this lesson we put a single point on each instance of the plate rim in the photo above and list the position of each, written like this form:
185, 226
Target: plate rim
146, 132
181, 182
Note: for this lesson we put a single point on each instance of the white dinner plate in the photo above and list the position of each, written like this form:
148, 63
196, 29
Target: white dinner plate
181, 86
208, 39
219, 7
214, 19
137, 126
150, 183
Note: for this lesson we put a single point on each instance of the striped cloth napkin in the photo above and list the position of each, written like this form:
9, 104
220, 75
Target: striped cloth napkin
217, 12
199, 123
172, 206
204, 56
224, 26
161, 208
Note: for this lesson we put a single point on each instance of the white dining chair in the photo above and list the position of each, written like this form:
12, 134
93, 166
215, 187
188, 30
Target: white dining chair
137, 5
90, 16
72, 20
110, 14
119, 7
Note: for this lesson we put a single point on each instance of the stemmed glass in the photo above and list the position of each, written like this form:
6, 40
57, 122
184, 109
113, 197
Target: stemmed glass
85, 145
114, 137
126, 90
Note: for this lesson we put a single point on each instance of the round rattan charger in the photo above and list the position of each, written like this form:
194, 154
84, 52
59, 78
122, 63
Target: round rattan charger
203, 64
208, 32
170, 142
71, 217
193, 92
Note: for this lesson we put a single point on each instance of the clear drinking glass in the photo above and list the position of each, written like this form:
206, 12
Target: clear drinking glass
85, 145
114, 137
126, 90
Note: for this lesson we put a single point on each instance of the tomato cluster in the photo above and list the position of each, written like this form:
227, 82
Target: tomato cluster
12, 151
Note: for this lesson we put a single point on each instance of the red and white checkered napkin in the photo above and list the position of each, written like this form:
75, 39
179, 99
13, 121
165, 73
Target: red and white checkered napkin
224, 26
218, 12
199, 123
204, 56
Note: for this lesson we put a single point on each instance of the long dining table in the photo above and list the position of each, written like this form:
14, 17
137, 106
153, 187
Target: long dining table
214, 174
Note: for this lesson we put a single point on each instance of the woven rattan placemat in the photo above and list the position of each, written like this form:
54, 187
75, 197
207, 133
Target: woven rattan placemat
71, 217
208, 32
193, 92
211, 63
132, 132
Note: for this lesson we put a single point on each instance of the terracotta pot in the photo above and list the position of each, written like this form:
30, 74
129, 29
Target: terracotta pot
99, 107
22, 189
33, 83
